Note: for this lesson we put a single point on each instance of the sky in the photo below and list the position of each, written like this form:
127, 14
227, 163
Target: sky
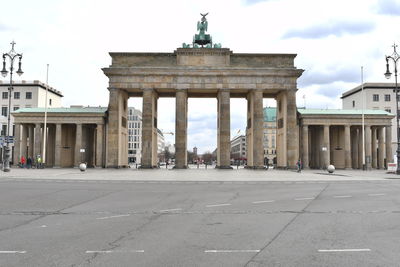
332, 40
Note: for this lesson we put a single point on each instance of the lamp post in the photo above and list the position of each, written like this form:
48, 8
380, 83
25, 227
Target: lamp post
12, 55
394, 58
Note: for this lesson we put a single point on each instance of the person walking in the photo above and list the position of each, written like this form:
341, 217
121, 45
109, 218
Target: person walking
299, 165
39, 162
29, 162
22, 161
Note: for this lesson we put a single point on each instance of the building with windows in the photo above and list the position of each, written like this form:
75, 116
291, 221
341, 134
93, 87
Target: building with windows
134, 135
377, 96
26, 94
238, 150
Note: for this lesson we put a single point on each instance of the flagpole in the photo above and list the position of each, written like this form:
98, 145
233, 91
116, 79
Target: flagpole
45, 117
362, 123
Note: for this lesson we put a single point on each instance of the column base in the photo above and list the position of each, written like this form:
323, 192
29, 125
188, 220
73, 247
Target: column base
148, 167
180, 167
255, 167
224, 167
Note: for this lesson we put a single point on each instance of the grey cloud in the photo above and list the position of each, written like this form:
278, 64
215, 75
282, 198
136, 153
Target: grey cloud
388, 7
326, 77
251, 2
4, 27
337, 28
330, 91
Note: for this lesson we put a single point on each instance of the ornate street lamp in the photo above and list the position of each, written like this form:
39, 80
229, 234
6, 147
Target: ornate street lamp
12, 55
395, 57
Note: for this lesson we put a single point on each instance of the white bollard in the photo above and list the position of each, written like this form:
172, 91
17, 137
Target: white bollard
82, 167
331, 168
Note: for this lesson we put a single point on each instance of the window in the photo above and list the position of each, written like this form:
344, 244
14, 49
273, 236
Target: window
4, 129
354, 103
28, 95
387, 97
4, 111
50, 102
16, 95
5, 95
388, 110
16, 108
375, 98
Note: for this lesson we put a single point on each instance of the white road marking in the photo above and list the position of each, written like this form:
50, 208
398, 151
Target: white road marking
115, 216
304, 198
43, 226
218, 205
12, 251
263, 201
375, 195
114, 251
345, 250
170, 210
233, 251
342, 196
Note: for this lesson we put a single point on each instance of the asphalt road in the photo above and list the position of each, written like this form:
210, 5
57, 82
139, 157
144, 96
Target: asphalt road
134, 223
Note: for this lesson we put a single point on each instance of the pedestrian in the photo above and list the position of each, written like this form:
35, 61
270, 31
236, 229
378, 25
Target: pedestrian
22, 161
38, 162
29, 162
299, 165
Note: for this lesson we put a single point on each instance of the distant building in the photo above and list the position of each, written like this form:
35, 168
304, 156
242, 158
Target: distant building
238, 150
26, 94
269, 135
377, 96
134, 135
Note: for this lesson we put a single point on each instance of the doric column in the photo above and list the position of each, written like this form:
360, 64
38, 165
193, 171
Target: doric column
37, 139
78, 145
31, 141
99, 145
24, 140
388, 144
354, 148
368, 150
149, 129
374, 155
254, 131
361, 150
326, 145
305, 146
224, 131
17, 143
58, 146
292, 129
381, 149
181, 113
347, 149
117, 130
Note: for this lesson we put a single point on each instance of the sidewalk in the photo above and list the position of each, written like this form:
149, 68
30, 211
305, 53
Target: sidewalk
210, 174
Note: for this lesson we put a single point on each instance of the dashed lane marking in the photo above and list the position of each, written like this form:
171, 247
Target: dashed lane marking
376, 195
233, 251
304, 198
114, 216
113, 251
218, 205
263, 201
345, 250
12, 251
168, 210
342, 196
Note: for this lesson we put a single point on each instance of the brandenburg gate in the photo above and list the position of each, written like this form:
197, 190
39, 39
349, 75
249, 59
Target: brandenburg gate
203, 70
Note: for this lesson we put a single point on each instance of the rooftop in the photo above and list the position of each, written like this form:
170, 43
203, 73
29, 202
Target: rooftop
311, 111
32, 83
73, 109
270, 114
368, 86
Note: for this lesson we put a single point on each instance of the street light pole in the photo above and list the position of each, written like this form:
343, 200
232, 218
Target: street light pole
395, 57
12, 55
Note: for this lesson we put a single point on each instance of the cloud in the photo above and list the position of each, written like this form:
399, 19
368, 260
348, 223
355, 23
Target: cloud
326, 77
336, 28
4, 27
252, 2
331, 90
388, 7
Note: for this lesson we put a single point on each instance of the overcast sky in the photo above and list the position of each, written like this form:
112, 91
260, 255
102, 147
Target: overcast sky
333, 39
